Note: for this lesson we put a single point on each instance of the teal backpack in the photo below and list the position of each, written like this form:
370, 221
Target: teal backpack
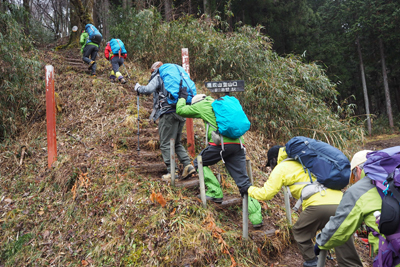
116, 46
232, 122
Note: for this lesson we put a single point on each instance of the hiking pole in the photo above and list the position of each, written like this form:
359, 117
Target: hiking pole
138, 125
127, 73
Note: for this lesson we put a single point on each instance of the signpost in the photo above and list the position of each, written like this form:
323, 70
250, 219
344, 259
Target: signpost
225, 86
189, 121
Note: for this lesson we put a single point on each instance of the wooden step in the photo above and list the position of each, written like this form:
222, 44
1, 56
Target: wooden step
151, 168
148, 143
191, 182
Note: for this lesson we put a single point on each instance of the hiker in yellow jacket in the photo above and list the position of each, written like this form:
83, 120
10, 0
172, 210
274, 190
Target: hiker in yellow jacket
317, 209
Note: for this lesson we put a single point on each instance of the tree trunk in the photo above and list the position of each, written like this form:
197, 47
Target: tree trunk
140, 4
385, 85
207, 9
27, 16
364, 85
168, 10
104, 14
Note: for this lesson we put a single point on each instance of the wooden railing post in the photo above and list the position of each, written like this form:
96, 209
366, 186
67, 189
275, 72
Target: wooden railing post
172, 160
201, 180
51, 116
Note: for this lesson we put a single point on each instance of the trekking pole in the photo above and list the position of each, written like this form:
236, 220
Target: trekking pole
322, 258
172, 160
127, 73
138, 125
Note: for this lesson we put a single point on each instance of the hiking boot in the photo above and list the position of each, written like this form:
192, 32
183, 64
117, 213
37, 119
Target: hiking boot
213, 199
256, 226
123, 81
167, 177
311, 263
112, 80
91, 64
188, 171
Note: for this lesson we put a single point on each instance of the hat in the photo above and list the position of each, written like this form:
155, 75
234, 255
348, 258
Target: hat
272, 154
198, 98
155, 66
359, 158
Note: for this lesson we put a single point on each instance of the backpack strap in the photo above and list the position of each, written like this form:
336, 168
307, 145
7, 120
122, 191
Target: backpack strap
191, 91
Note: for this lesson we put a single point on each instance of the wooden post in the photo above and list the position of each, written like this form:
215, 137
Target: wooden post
51, 116
189, 121
287, 205
245, 216
201, 180
322, 258
172, 160
249, 171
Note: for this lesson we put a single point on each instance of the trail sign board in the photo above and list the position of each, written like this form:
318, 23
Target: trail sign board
225, 86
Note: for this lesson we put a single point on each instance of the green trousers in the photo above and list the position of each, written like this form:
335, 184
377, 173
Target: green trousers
214, 190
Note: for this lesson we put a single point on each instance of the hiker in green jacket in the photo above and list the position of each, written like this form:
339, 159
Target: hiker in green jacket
359, 203
233, 153
89, 50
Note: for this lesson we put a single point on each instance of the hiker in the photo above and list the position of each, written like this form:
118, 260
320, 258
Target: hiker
170, 124
233, 154
89, 50
362, 202
116, 53
316, 209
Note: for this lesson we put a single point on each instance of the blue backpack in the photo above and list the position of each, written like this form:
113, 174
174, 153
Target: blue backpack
117, 46
232, 122
175, 77
328, 164
94, 34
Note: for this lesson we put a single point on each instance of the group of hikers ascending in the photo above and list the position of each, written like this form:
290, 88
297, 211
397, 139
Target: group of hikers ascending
115, 52
312, 171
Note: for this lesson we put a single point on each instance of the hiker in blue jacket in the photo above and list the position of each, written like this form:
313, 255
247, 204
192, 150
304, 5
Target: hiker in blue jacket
170, 124
233, 154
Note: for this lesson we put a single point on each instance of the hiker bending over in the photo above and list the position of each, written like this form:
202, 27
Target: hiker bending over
362, 202
233, 154
115, 52
316, 209
89, 50
170, 124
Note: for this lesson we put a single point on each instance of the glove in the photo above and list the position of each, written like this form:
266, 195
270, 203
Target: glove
183, 92
137, 85
317, 250
244, 190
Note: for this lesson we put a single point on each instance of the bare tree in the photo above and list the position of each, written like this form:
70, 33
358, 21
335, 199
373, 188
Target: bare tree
385, 85
364, 85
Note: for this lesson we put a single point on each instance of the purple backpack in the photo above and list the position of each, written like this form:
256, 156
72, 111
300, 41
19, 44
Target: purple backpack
383, 167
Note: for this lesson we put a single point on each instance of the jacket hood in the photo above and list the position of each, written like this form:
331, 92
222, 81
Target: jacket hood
282, 154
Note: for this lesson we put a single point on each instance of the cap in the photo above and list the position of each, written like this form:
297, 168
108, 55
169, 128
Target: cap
198, 98
359, 158
272, 154
155, 66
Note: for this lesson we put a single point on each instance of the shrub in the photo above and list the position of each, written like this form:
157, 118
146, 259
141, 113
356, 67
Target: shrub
284, 96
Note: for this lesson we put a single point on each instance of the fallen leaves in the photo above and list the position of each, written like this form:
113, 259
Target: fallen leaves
216, 232
159, 198
83, 181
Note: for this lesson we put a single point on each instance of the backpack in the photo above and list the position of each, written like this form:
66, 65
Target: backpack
383, 168
232, 122
94, 34
327, 163
175, 77
117, 47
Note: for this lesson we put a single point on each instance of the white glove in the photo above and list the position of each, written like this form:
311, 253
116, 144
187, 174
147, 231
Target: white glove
137, 86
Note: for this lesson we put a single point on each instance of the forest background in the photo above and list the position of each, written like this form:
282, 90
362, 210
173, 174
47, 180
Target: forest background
317, 68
